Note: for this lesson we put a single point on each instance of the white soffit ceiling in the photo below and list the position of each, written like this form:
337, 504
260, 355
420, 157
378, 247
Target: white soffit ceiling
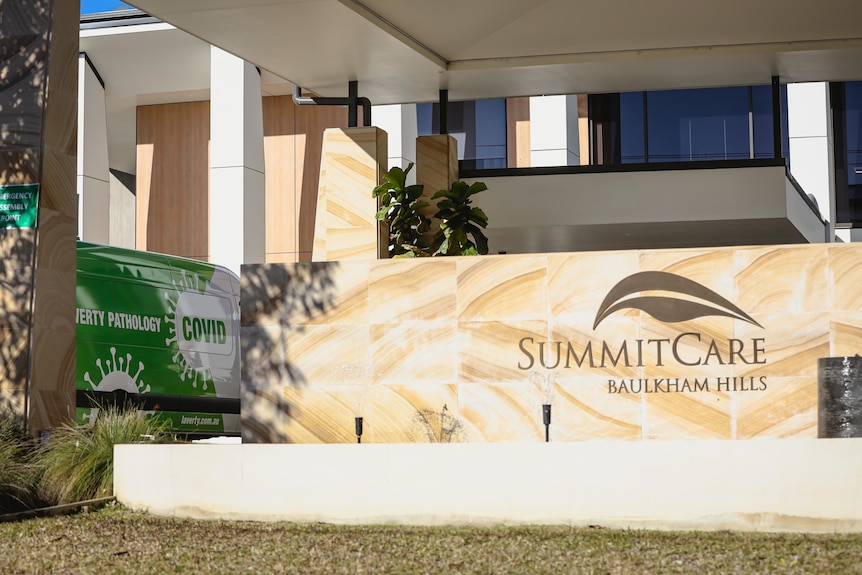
407, 50
140, 65
149, 59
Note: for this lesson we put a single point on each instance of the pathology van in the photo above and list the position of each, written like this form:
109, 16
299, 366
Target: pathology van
158, 333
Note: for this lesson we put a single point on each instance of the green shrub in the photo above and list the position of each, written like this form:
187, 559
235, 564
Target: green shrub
18, 474
77, 463
459, 221
401, 210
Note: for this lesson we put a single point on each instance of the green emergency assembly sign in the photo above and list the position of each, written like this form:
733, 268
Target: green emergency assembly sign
19, 205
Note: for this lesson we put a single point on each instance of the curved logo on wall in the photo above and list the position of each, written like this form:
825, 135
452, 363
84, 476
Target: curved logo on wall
628, 363
670, 309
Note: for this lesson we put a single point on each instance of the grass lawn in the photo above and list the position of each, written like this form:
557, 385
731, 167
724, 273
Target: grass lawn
116, 540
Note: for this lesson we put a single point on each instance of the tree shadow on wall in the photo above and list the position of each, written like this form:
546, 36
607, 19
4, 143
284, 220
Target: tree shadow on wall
432, 426
16, 289
24, 29
276, 301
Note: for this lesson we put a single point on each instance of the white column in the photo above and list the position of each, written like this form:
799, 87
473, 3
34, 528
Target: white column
123, 208
399, 122
554, 131
237, 230
811, 150
93, 183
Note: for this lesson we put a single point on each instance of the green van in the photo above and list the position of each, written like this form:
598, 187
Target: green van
160, 333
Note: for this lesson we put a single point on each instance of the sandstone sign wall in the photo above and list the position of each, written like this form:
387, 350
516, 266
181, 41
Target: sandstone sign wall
633, 345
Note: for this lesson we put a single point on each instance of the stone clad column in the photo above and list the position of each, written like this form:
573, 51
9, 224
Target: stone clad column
352, 164
237, 222
436, 169
38, 115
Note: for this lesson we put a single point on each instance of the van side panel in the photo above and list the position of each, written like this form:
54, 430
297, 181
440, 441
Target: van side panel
161, 333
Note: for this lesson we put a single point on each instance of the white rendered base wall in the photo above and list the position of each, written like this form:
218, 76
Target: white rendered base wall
811, 485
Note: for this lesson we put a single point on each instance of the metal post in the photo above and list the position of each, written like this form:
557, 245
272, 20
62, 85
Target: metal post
776, 117
444, 111
353, 104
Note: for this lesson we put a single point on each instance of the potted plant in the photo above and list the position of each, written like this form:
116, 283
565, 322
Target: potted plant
400, 207
460, 221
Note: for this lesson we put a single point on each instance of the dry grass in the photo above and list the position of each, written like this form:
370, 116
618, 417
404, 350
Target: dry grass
115, 540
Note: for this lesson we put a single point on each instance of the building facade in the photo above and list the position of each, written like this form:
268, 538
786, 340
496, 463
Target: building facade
683, 167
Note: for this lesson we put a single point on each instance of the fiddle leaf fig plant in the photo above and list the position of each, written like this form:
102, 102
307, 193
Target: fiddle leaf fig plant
460, 221
400, 209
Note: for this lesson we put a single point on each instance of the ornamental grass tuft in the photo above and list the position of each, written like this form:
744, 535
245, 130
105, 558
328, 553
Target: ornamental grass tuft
77, 463
18, 474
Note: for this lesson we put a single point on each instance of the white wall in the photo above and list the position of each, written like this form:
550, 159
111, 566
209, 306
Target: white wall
850, 235
554, 139
237, 234
122, 216
767, 485
400, 124
93, 187
563, 212
811, 144
634, 197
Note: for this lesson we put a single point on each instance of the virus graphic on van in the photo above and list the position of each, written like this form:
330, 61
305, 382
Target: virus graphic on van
116, 374
90, 416
199, 321
189, 364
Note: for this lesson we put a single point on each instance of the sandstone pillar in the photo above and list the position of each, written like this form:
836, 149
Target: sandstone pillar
38, 115
352, 164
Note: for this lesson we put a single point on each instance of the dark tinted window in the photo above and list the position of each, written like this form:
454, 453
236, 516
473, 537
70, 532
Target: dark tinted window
761, 113
847, 134
853, 123
632, 128
479, 126
732, 123
692, 125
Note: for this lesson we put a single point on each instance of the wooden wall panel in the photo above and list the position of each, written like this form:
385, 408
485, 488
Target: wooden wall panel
311, 123
283, 164
518, 132
293, 140
584, 129
436, 169
173, 176
173, 194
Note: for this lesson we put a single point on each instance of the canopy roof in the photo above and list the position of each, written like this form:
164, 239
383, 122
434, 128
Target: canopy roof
407, 50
